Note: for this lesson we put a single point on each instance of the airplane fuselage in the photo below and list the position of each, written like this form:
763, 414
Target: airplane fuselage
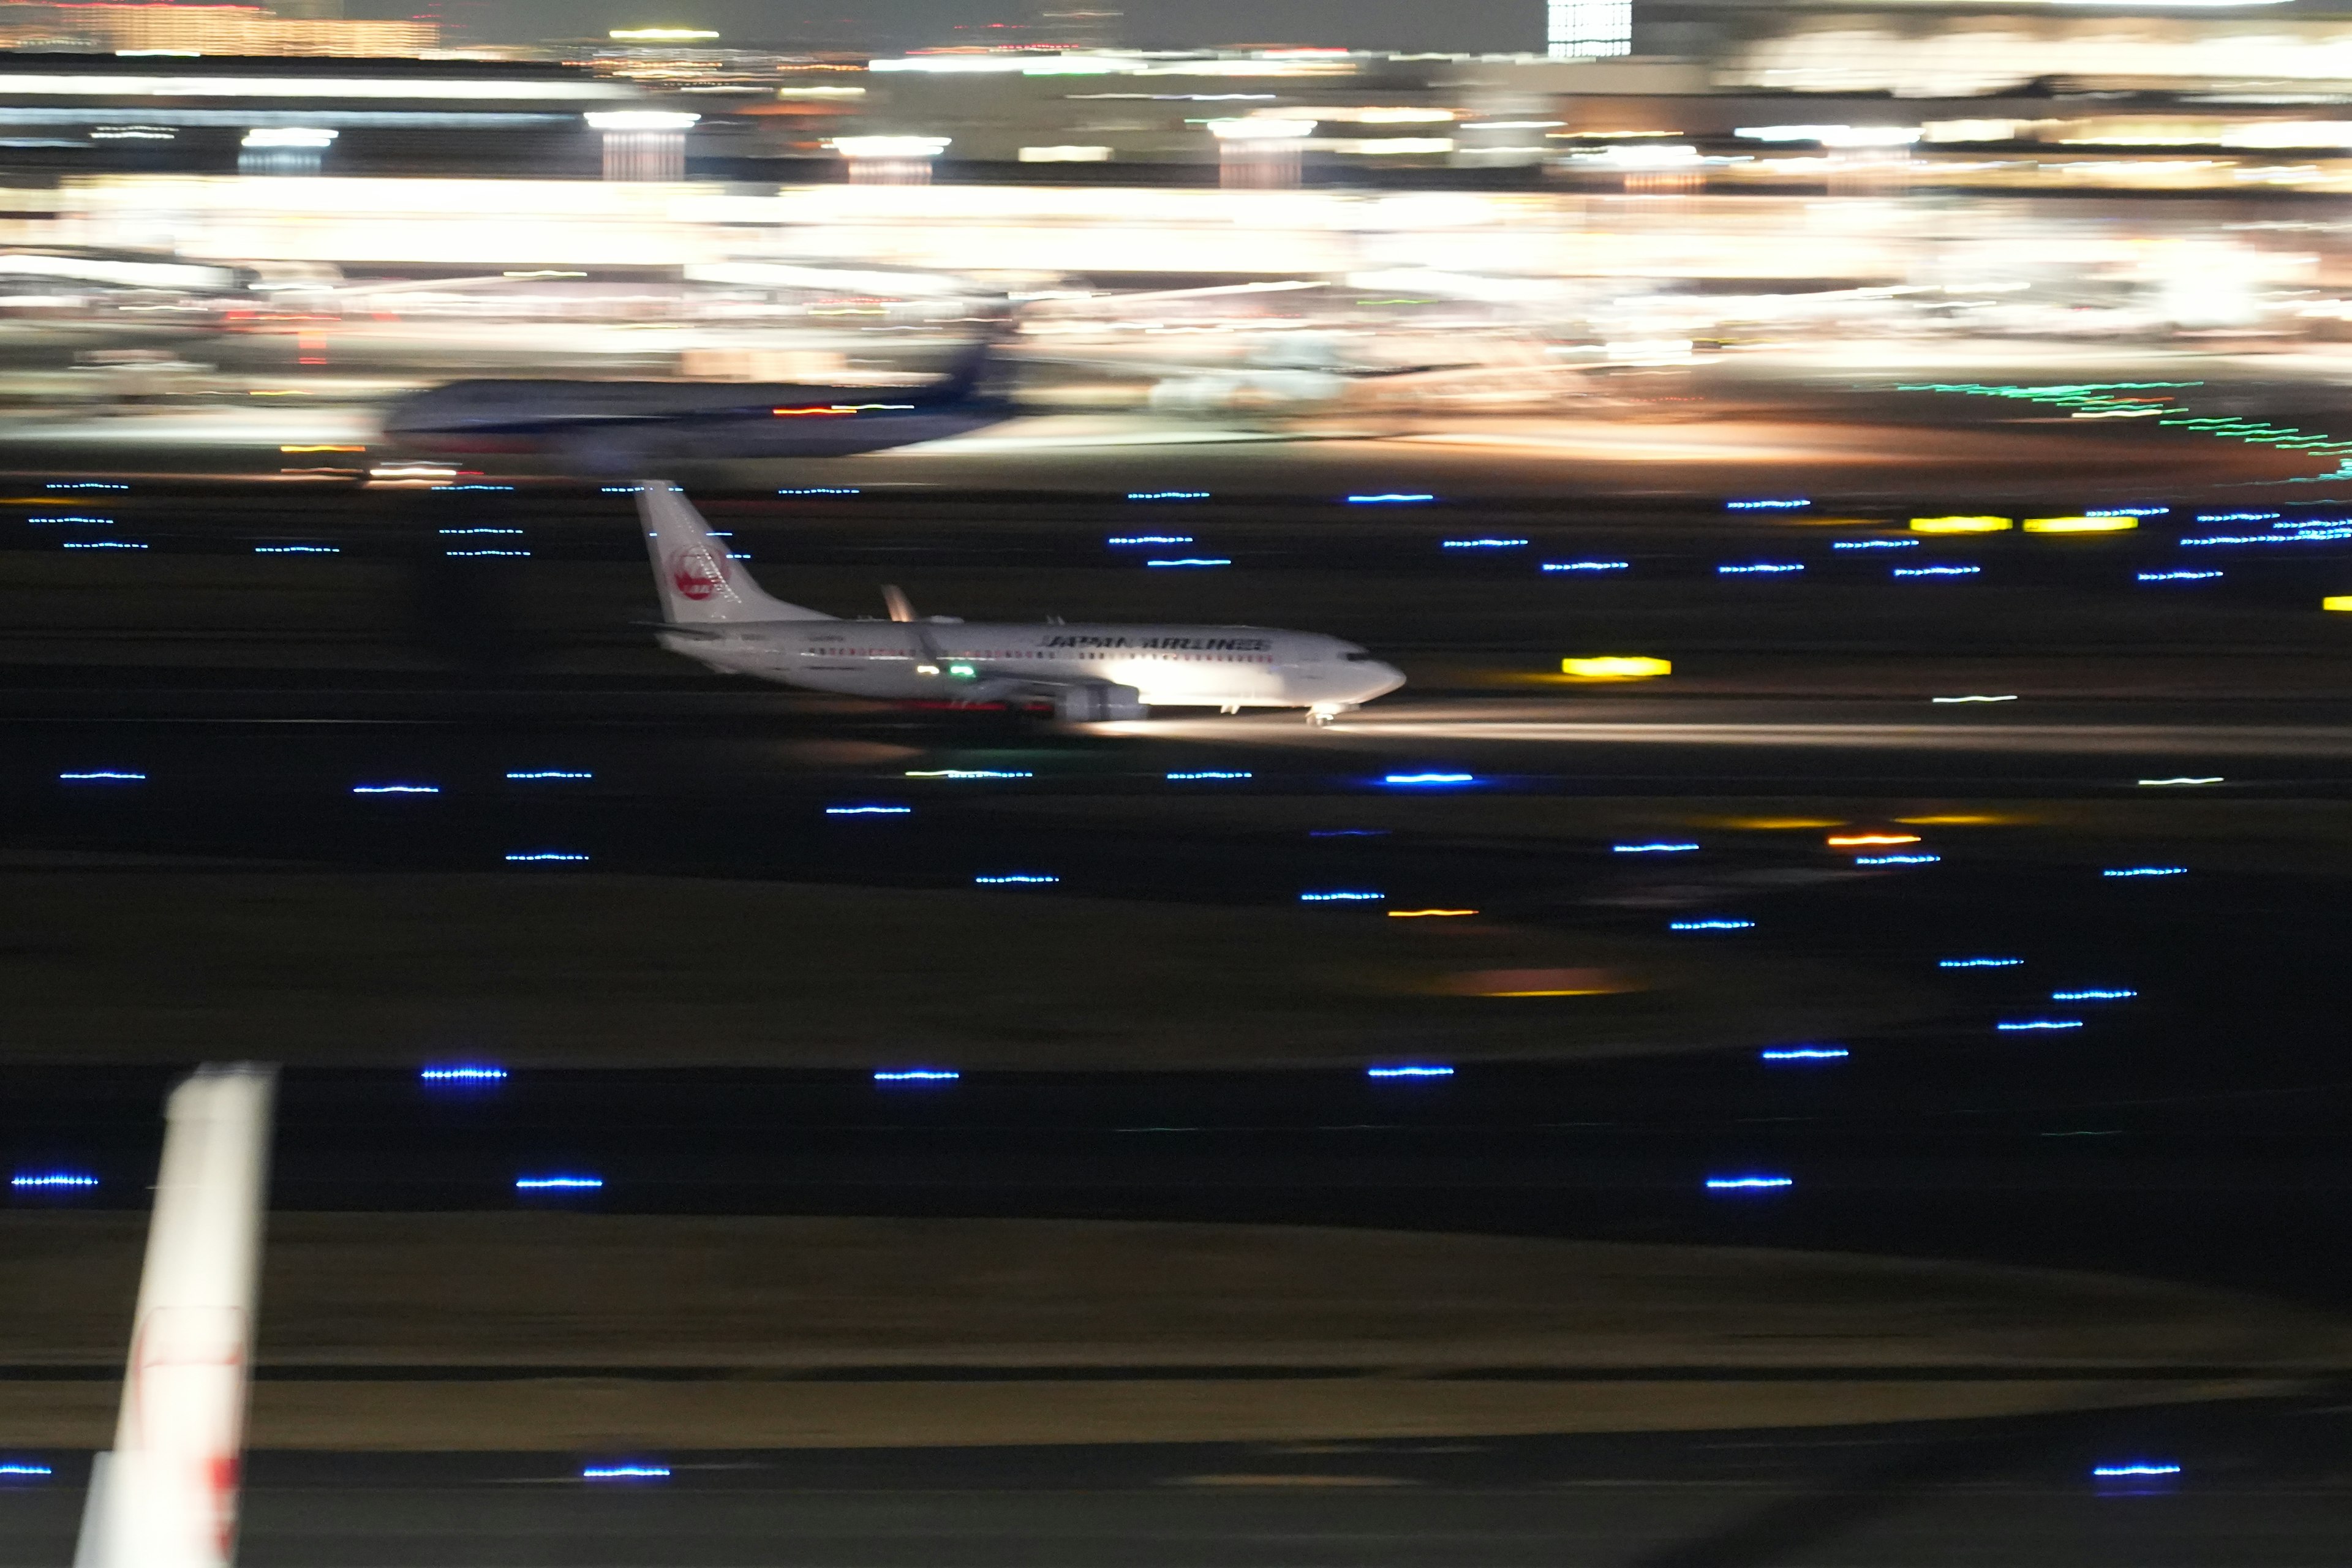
636, 420
1175, 666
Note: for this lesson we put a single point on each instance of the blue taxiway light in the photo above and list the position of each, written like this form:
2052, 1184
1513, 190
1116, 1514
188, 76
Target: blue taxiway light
1709, 925
1341, 897
516, 532
2129, 512
1978, 963
1480, 544
2112, 1472
558, 1184
296, 550
870, 811
624, 1472
1897, 859
1014, 877
1765, 568
1191, 561
1587, 565
102, 776
1149, 539
102, 544
1875, 544
2235, 516
2021, 1026
1168, 495
916, 1075
1412, 780
1765, 505
52, 1179
816, 491
1411, 1071
2093, 996
2145, 871
1206, 776
24, 1469
1936, 571
1747, 1184
462, 1075
1347, 833
2177, 576
84, 485
521, 857
1802, 1054
543, 775
71, 518
1659, 847
1388, 499
396, 789
475, 555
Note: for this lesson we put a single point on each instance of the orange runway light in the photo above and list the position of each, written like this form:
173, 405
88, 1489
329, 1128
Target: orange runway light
1428, 914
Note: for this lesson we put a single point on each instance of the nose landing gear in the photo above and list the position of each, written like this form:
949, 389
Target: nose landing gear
1322, 713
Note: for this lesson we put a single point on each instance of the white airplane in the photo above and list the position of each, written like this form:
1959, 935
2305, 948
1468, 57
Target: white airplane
715, 614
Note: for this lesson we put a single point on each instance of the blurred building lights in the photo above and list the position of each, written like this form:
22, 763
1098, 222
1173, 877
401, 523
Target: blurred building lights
643, 144
889, 160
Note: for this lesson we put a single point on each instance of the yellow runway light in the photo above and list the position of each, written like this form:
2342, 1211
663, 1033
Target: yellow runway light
1869, 840
1428, 914
1773, 824
1616, 667
2336, 602
1533, 982
1962, 526
1962, 819
322, 448
2081, 524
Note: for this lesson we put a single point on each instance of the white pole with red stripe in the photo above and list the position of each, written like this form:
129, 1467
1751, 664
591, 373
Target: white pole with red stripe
166, 1496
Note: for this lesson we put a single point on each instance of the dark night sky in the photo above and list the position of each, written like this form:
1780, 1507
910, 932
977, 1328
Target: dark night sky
1454, 25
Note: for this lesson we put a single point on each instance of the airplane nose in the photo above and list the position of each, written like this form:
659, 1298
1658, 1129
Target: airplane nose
1380, 680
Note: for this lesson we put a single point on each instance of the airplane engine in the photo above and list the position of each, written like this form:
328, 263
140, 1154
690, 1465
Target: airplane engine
1255, 392
1093, 704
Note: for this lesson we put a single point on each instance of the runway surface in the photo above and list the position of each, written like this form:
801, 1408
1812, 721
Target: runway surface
2259, 1484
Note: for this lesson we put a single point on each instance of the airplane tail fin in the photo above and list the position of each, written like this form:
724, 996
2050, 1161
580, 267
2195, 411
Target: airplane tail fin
699, 584
967, 375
